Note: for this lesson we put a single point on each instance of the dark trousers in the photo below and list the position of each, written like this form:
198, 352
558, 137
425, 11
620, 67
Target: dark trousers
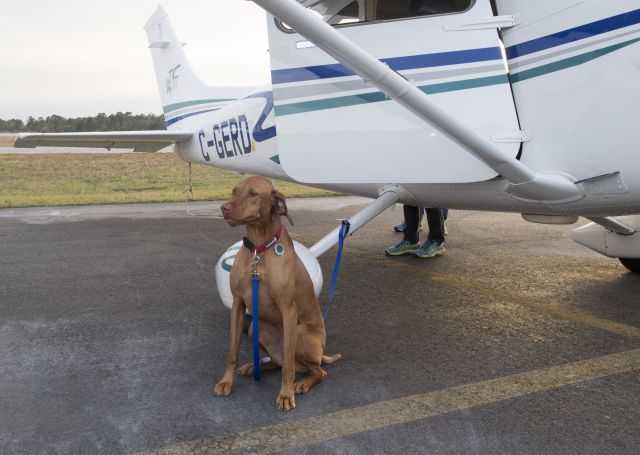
435, 219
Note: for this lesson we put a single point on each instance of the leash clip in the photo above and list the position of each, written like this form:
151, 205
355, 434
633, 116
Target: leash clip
254, 264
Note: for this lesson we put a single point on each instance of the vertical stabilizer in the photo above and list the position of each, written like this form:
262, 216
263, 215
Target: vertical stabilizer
182, 93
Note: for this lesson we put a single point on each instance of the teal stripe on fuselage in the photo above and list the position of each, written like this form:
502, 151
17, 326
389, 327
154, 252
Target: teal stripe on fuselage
329, 103
568, 63
464, 85
375, 97
173, 107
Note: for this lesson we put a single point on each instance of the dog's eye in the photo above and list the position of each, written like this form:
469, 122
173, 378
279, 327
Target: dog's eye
253, 194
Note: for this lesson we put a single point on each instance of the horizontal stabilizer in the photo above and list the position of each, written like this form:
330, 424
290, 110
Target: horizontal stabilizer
140, 141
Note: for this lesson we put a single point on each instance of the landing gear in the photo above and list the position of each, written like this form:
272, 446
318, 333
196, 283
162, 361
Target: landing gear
631, 264
614, 237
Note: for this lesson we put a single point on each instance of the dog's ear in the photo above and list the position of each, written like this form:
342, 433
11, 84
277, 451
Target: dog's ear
279, 205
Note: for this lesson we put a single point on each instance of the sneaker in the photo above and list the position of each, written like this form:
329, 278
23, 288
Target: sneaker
401, 227
403, 247
430, 249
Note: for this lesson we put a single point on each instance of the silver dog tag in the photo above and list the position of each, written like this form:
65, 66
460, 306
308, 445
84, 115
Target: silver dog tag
278, 249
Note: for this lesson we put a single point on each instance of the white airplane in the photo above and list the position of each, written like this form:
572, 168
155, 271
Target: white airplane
505, 105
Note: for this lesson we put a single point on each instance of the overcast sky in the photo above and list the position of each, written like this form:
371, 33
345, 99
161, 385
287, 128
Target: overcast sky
80, 57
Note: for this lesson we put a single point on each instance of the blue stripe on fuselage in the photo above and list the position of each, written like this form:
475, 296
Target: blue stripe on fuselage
259, 133
173, 120
574, 34
397, 63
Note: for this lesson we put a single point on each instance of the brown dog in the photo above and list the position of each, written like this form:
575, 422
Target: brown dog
291, 328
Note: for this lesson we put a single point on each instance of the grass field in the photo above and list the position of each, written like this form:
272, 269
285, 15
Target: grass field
80, 179
6, 140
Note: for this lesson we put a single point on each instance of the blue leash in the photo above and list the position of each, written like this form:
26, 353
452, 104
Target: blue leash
344, 231
255, 280
255, 285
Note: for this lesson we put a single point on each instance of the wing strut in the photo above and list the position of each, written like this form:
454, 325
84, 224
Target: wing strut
525, 183
388, 196
613, 225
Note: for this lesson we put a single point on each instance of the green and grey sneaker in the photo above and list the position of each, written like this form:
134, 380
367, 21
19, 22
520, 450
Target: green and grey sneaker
430, 249
403, 247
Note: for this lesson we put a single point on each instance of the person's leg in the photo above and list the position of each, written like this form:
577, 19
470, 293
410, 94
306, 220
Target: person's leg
411, 219
400, 227
410, 240
436, 224
445, 215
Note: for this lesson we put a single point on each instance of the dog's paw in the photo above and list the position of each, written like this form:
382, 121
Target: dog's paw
246, 369
286, 402
223, 388
301, 387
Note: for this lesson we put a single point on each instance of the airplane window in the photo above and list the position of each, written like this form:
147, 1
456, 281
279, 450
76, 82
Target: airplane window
342, 12
399, 9
335, 12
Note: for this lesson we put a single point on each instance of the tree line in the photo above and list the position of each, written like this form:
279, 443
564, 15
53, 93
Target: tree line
121, 121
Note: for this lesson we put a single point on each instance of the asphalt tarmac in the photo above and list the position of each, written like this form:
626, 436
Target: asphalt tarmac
516, 341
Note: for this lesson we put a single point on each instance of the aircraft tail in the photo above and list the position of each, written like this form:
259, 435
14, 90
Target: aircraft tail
182, 93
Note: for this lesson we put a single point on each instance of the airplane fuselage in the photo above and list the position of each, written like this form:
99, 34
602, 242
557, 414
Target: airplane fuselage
241, 137
571, 74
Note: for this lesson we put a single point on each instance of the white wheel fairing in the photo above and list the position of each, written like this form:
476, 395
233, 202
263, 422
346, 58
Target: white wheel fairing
223, 270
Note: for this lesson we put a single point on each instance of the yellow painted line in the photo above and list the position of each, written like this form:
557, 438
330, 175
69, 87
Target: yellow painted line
316, 430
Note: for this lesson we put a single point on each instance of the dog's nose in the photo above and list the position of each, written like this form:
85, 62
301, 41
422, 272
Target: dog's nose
226, 208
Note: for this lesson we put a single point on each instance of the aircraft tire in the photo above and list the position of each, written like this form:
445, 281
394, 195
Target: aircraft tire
631, 264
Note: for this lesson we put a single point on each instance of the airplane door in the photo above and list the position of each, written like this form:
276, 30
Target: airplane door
333, 127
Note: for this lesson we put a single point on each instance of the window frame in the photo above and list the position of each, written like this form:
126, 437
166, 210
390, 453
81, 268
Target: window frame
280, 25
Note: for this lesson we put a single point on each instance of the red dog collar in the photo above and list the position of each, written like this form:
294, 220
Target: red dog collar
264, 247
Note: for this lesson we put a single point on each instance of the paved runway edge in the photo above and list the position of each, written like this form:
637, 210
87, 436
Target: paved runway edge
314, 430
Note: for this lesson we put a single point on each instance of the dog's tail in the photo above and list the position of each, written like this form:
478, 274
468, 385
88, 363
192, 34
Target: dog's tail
328, 360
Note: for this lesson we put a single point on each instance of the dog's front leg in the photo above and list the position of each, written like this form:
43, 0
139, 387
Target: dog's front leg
287, 398
225, 386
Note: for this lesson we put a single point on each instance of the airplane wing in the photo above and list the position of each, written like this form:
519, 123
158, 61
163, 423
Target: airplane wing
139, 141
